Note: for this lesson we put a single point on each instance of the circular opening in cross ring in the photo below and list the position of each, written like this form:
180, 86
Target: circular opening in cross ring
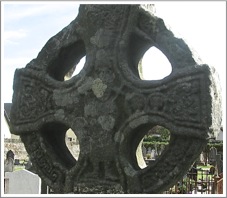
154, 65
72, 143
152, 145
60, 143
69, 62
75, 70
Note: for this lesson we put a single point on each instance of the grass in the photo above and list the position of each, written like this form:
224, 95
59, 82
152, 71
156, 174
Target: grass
204, 167
203, 176
18, 167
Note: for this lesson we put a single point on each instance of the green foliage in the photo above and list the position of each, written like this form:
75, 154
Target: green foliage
18, 167
217, 145
154, 144
151, 138
165, 133
160, 130
147, 144
158, 136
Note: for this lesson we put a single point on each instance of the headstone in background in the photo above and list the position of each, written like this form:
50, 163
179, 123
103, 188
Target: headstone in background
22, 182
149, 150
16, 162
212, 156
8, 165
9, 162
219, 164
144, 151
153, 154
202, 158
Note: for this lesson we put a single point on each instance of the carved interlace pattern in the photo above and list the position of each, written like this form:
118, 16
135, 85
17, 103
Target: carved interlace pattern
109, 107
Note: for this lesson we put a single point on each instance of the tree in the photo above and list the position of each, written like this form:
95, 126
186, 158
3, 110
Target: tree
162, 131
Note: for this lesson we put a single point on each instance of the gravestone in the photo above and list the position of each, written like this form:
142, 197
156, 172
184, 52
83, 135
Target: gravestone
108, 106
9, 162
144, 151
219, 164
149, 150
212, 156
202, 158
16, 162
22, 182
153, 154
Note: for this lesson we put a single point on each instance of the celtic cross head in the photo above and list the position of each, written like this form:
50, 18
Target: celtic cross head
108, 106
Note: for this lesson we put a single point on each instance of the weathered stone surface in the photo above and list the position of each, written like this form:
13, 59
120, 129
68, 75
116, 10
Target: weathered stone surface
23, 182
109, 107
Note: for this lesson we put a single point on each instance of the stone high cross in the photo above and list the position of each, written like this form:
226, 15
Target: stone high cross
109, 107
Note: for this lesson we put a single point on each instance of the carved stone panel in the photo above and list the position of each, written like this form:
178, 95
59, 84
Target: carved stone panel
109, 107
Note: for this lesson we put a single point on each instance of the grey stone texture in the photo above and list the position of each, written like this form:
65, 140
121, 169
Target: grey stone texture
109, 107
22, 182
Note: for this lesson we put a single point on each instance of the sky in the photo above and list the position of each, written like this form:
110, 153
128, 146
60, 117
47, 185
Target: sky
27, 26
